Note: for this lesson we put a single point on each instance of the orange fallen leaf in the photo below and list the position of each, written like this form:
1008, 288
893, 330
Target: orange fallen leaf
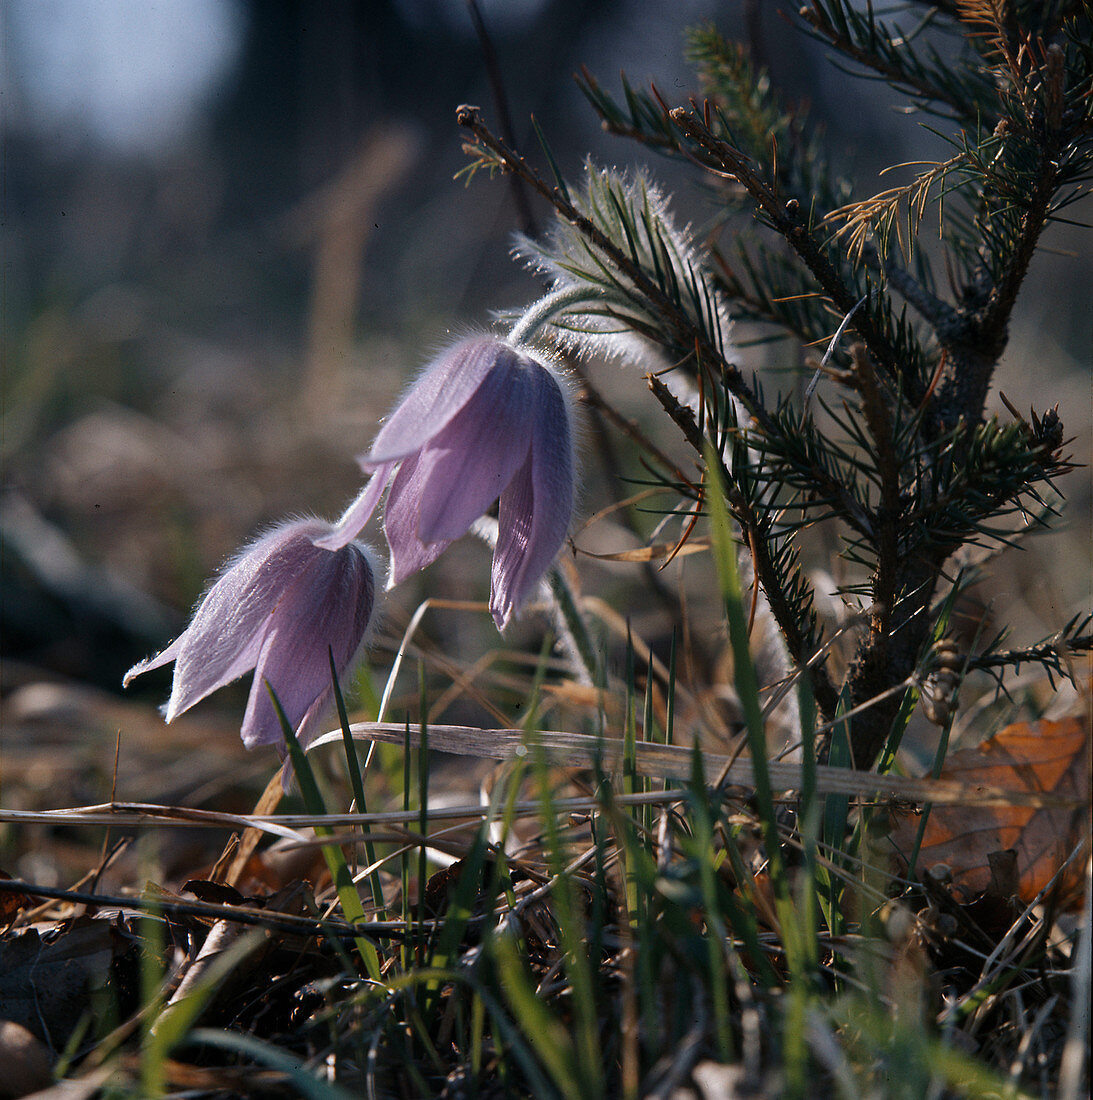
1048, 758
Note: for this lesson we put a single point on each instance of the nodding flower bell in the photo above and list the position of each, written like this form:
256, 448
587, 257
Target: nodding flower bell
279, 607
485, 421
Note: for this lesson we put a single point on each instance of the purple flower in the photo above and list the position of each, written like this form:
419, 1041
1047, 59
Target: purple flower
278, 607
484, 421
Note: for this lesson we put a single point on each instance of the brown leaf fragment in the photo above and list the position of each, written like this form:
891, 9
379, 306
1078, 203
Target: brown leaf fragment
217, 893
279, 866
1005, 881
1050, 759
222, 866
10, 904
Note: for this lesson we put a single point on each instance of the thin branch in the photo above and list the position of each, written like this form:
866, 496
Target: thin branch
286, 923
1047, 653
501, 102
929, 306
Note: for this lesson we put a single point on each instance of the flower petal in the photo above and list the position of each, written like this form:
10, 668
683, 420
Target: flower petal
400, 523
225, 635
359, 511
165, 657
327, 606
536, 507
436, 397
467, 466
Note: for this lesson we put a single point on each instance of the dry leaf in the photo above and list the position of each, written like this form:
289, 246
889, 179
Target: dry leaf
10, 904
1048, 758
46, 978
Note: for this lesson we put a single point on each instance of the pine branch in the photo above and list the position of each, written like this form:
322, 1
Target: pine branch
643, 120
1041, 145
1051, 653
631, 212
889, 52
928, 306
746, 113
798, 458
980, 476
750, 115
906, 465
902, 208
901, 364
765, 284
685, 335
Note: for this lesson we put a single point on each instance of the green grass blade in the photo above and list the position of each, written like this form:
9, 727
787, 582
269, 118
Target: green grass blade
716, 932
747, 685
266, 1054
356, 781
536, 1023
747, 688
176, 1019
574, 946
808, 826
335, 858
836, 814
422, 797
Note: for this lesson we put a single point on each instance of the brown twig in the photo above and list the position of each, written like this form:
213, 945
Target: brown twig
285, 923
501, 103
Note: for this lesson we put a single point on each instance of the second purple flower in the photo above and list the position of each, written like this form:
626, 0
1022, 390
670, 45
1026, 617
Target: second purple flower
485, 421
282, 607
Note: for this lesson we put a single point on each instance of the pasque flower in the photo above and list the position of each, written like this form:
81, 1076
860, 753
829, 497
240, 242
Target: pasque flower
279, 607
485, 421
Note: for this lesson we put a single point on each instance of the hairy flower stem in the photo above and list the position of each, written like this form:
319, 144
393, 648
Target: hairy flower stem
571, 627
509, 161
546, 309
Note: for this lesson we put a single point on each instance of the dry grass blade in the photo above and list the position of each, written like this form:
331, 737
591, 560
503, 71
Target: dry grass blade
658, 551
675, 762
145, 813
95, 815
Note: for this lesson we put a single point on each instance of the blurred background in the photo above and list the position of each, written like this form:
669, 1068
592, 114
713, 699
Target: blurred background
231, 232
